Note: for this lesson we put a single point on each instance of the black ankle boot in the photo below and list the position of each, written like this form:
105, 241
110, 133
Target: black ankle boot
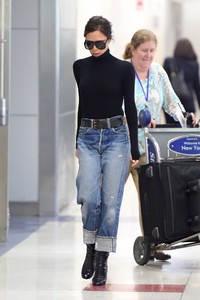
88, 265
101, 268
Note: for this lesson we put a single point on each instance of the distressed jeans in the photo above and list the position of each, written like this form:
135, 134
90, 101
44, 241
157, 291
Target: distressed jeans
104, 157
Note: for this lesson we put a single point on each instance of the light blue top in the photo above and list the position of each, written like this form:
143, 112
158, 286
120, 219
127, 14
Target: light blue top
161, 96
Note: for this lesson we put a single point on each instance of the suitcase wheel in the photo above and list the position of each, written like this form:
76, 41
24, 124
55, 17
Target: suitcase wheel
141, 251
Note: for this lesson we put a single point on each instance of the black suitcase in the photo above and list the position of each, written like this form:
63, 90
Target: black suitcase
165, 196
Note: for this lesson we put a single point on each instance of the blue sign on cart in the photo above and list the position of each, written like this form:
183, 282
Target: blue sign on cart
186, 145
152, 153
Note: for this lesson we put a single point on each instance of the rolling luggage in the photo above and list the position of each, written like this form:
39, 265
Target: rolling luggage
167, 192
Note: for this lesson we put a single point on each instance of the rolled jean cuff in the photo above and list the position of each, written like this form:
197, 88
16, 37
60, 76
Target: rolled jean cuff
89, 237
107, 244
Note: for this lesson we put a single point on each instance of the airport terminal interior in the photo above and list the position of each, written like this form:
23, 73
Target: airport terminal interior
41, 238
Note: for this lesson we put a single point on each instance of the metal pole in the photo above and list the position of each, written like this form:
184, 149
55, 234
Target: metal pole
4, 95
3, 101
2, 46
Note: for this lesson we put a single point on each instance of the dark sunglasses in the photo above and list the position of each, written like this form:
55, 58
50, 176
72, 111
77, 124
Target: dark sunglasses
98, 44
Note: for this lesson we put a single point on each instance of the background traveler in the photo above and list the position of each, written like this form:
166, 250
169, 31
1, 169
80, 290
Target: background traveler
185, 60
152, 90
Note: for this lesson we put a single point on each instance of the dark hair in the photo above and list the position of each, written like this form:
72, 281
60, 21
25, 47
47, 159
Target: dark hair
184, 49
99, 23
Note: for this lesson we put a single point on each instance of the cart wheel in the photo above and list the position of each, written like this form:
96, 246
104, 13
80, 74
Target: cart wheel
141, 251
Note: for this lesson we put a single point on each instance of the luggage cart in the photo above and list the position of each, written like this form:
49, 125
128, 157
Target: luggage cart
167, 145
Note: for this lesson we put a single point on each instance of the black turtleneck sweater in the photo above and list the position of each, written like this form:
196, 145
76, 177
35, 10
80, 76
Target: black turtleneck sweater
104, 83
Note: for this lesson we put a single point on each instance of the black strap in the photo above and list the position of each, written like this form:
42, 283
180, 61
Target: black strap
102, 123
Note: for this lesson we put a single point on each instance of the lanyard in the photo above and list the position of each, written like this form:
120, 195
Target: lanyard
146, 95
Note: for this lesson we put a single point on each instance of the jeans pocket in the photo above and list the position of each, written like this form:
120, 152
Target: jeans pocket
83, 130
120, 129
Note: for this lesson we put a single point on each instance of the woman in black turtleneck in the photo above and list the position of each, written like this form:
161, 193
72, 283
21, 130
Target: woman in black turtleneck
105, 144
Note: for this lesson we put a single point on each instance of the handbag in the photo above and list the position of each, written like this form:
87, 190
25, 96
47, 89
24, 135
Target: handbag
178, 82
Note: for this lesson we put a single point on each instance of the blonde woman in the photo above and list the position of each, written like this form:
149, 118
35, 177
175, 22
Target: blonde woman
153, 90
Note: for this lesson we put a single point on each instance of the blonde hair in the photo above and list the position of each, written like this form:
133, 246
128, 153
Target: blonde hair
141, 36
128, 51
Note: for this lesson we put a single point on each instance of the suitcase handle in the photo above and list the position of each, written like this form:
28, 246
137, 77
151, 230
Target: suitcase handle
193, 186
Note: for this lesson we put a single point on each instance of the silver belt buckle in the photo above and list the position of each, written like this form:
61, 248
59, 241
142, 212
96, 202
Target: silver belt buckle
108, 123
95, 124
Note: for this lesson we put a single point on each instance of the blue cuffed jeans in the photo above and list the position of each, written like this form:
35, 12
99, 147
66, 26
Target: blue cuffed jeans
104, 156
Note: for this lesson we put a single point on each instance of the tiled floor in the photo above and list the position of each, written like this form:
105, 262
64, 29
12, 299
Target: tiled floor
43, 258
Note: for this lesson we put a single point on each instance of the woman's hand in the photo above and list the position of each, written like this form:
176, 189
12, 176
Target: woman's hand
134, 162
152, 124
194, 121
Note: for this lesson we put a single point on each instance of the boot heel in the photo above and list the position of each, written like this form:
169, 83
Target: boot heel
101, 268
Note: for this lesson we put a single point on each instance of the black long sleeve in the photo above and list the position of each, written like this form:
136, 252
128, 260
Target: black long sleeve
104, 84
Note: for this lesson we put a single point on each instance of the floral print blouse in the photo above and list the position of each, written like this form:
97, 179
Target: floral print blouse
160, 96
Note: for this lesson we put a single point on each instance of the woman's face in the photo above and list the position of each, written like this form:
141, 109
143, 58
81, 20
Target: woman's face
144, 54
103, 43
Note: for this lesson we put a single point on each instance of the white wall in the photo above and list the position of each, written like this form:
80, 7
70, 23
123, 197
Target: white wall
191, 23
23, 156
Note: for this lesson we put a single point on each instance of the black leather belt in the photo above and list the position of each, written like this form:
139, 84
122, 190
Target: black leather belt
102, 123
